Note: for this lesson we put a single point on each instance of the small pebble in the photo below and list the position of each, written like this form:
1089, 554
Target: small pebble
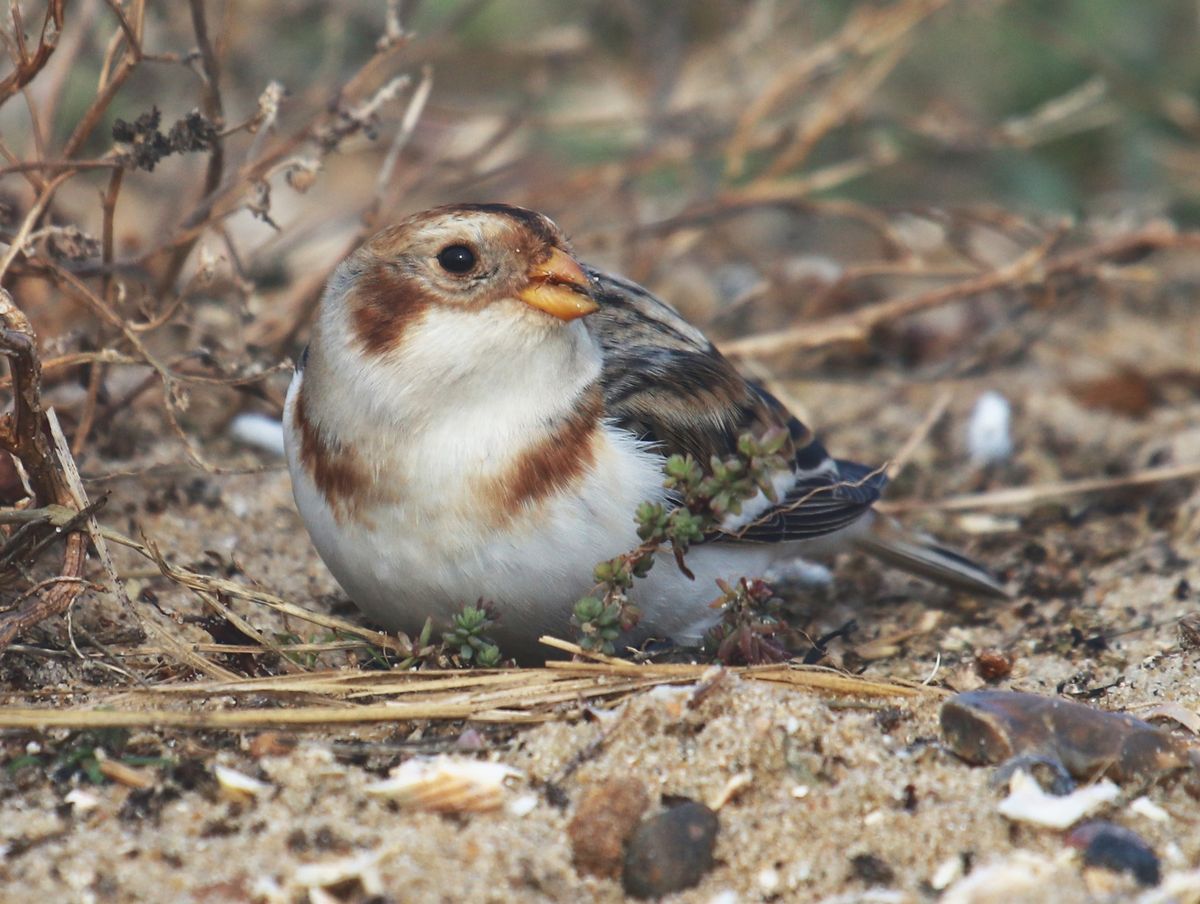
768, 881
992, 665
1023, 876
670, 851
1189, 631
871, 869
1116, 848
603, 821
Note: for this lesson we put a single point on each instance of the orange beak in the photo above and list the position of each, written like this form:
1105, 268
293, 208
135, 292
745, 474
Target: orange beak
559, 287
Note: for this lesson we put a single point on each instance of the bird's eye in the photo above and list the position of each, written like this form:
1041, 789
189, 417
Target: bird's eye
457, 259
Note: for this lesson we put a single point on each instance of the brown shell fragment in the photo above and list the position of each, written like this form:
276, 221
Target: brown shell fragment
604, 819
990, 726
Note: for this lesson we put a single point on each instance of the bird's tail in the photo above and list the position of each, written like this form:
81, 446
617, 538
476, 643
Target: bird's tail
921, 555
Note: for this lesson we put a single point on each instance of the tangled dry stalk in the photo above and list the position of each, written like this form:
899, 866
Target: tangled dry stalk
24, 435
48, 251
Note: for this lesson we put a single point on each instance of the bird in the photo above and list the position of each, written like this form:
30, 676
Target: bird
478, 415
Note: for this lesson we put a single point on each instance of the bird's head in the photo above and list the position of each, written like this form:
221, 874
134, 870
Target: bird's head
459, 261
483, 297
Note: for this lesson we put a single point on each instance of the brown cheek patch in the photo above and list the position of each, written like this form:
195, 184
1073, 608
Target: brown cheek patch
555, 463
384, 304
334, 468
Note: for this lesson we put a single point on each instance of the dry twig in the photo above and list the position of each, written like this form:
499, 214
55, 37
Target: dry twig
1033, 269
1019, 497
24, 435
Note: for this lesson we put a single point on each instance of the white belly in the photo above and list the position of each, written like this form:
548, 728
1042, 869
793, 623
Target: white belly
424, 556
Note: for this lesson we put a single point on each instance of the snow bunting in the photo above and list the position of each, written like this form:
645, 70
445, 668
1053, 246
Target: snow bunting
478, 416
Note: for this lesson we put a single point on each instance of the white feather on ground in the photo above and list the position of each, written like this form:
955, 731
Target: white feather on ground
989, 437
259, 431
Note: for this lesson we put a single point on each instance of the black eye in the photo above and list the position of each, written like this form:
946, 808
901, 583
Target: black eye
456, 259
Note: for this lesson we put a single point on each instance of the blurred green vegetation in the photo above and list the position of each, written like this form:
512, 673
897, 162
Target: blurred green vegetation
978, 63
1077, 106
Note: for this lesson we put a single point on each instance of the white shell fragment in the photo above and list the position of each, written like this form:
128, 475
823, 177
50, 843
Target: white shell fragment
989, 440
361, 867
238, 784
446, 784
672, 699
732, 788
1144, 806
948, 872
1019, 878
82, 800
522, 806
259, 431
1027, 802
726, 896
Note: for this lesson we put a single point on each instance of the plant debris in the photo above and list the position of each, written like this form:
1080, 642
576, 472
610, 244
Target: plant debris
147, 145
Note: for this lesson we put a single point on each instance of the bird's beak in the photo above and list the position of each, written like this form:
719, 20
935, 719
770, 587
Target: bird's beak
558, 286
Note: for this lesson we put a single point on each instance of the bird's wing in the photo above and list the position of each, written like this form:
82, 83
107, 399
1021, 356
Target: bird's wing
666, 383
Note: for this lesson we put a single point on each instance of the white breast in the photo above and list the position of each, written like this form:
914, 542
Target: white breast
432, 551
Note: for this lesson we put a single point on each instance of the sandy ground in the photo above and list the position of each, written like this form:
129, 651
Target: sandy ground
845, 798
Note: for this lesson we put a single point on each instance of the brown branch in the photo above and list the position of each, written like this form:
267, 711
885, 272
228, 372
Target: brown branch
1034, 268
843, 101
31, 218
132, 40
214, 109
1017, 497
900, 460
24, 434
28, 166
91, 117
62, 362
867, 30
88, 417
29, 66
96, 376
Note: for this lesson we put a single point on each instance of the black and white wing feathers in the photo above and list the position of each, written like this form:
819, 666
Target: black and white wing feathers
664, 382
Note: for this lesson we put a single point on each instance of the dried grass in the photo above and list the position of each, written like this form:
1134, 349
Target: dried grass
514, 696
